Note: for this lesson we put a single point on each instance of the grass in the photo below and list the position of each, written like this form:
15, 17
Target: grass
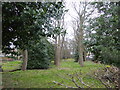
11, 65
45, 78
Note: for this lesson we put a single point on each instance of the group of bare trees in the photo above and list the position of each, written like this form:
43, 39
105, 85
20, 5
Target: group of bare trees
78, 25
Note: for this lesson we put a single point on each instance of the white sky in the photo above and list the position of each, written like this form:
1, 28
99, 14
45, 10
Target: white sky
71, 12
68, 18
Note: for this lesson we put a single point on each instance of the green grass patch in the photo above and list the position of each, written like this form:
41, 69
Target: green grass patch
11, 65
44, 78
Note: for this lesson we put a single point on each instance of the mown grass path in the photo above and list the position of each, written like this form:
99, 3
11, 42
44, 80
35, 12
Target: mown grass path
44, 78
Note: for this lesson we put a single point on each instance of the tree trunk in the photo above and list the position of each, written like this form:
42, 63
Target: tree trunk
80, 47
84, 53
81, 55
58, 48
25, 60
55, 60
58, 52
61, 48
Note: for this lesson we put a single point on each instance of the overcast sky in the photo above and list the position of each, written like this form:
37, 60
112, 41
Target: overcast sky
68, 18
71, 12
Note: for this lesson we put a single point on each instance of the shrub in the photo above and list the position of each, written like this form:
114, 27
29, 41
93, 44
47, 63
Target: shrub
39, 55
110, 56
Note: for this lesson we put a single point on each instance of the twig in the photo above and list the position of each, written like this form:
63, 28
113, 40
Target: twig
73, 80
80, 79
62, 84
63, 77
106, 85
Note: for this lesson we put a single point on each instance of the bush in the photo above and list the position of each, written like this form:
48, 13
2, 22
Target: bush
110, 56
39, 55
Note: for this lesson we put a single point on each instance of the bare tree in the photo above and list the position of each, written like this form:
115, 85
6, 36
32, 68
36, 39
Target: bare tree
57, 45
59, 40
78, 27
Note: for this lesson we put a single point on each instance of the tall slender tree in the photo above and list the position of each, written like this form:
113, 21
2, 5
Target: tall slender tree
81, 10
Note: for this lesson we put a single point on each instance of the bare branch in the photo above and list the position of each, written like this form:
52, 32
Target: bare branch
63, 77
62, 84
74, 81
78, 12
80, 79
106, 85
74, 17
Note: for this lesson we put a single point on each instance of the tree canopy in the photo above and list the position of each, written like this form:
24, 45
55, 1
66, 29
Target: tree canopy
25, 21
105, 42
